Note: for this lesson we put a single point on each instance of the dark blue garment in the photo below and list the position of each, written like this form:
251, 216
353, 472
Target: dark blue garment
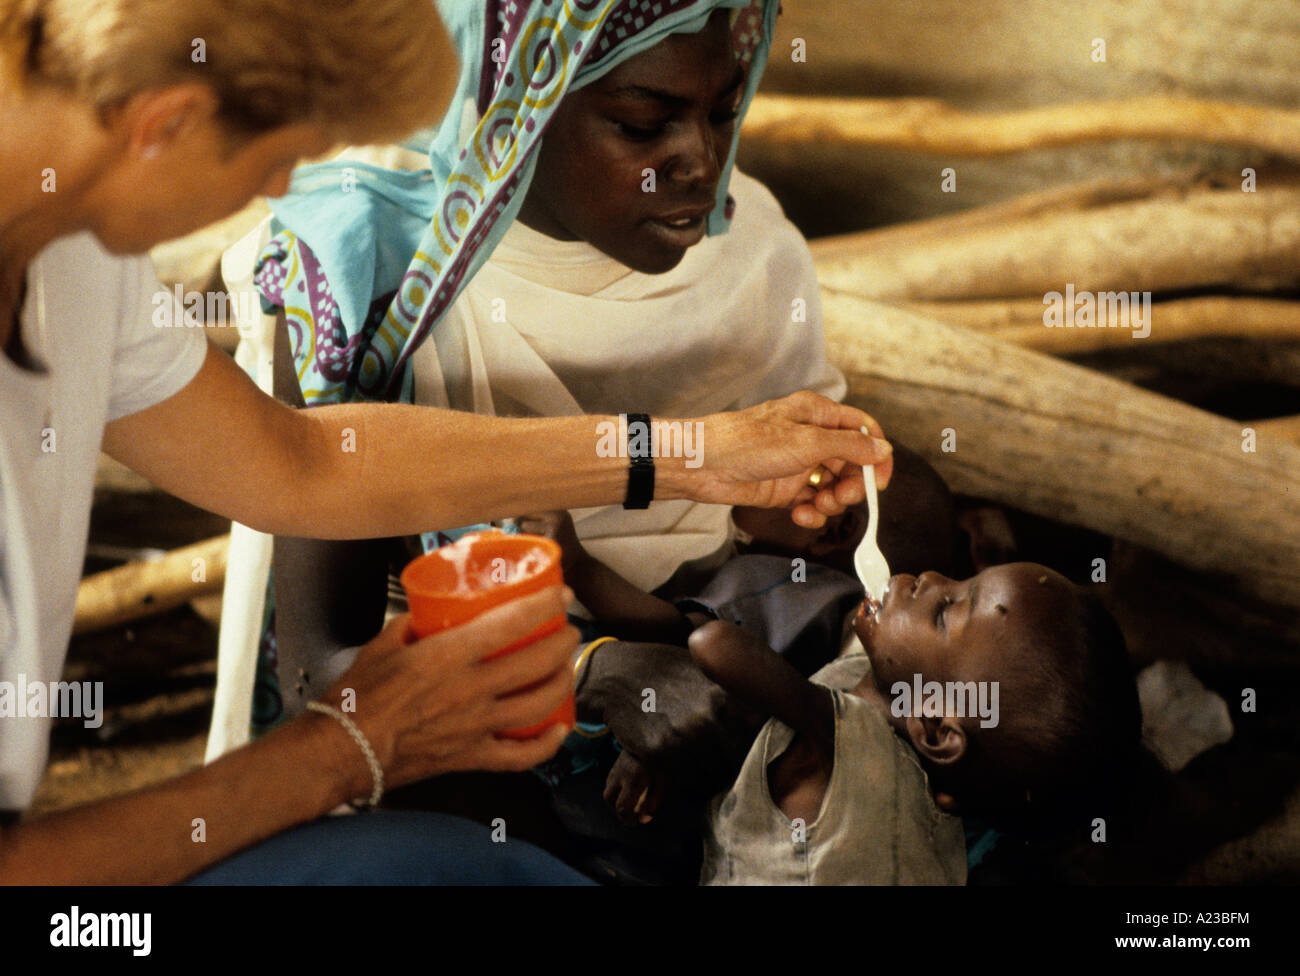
391, 847
798, 610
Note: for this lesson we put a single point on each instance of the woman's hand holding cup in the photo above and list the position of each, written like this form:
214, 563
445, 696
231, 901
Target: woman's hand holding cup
440, 703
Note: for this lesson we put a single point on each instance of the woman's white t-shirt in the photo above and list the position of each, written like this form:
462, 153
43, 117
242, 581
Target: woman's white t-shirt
107, 342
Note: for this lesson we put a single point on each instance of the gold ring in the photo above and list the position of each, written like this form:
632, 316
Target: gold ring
815, 478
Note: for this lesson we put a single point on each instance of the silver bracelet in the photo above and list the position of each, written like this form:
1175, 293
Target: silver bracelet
376, 771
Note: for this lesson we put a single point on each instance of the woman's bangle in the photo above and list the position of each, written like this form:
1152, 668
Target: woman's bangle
376, 771
582, 658
590, 731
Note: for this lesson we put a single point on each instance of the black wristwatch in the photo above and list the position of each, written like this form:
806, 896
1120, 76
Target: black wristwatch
641, 464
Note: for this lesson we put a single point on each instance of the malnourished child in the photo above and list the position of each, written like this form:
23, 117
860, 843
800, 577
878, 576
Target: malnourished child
1008, 689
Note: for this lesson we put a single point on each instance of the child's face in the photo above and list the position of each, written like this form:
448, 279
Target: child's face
670, 112
945, 630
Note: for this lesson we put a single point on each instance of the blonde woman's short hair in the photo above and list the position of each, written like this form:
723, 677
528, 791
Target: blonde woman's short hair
364, 70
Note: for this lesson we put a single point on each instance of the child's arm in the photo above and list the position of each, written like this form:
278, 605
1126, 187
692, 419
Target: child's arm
624, 610
764, 681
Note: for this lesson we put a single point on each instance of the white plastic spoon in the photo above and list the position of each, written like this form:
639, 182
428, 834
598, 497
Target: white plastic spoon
868, 560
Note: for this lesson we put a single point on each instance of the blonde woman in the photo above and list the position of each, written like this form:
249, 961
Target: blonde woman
128, 122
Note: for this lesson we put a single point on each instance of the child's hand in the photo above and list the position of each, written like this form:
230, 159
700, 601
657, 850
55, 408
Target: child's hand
558, 526
694, 731
633, 790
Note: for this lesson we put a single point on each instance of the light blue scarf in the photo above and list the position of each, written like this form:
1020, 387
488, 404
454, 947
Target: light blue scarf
367, 260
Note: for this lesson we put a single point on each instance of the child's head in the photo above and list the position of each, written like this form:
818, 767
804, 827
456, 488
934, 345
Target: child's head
631, 162
771, 531
1013, 681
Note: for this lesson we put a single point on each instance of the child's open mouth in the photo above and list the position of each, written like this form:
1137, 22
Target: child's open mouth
865, 622
869, 608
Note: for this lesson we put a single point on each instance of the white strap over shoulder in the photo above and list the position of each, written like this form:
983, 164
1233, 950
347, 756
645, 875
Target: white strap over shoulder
248, 565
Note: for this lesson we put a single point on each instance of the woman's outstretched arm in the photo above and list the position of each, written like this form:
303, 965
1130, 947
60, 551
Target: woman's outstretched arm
373, 470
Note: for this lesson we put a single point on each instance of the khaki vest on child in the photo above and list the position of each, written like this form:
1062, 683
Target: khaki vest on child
878, 823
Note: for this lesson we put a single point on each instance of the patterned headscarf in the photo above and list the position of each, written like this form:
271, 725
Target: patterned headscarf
367, 260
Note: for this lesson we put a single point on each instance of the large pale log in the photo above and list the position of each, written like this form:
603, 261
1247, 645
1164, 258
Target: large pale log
1287, 428
1024, 52
1181, 238
1069, 444
1070, 198
1214, 316
931, 126
142, 589
997, 55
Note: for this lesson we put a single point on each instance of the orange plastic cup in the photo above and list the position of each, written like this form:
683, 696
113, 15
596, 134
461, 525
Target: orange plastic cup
457, 582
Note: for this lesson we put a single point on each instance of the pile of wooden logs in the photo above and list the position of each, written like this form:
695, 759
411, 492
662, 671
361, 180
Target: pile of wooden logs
1025, 429
147, 587
944, 328
929, 126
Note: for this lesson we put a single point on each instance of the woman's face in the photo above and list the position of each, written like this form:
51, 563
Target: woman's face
193, 179
631, 162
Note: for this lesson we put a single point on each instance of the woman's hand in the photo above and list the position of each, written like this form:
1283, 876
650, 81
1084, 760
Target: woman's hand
426, 707
765, 455
436, 705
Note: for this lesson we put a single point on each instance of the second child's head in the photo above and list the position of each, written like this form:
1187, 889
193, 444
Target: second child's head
1015, 682
631, 163
917, 519
771, 531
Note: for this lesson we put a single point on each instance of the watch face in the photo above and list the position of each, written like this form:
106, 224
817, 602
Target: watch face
638, 446
640, 437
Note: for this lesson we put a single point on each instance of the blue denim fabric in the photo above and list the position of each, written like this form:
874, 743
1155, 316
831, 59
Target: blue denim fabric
391, 847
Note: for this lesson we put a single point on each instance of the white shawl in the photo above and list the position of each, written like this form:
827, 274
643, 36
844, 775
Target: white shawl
550, 328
